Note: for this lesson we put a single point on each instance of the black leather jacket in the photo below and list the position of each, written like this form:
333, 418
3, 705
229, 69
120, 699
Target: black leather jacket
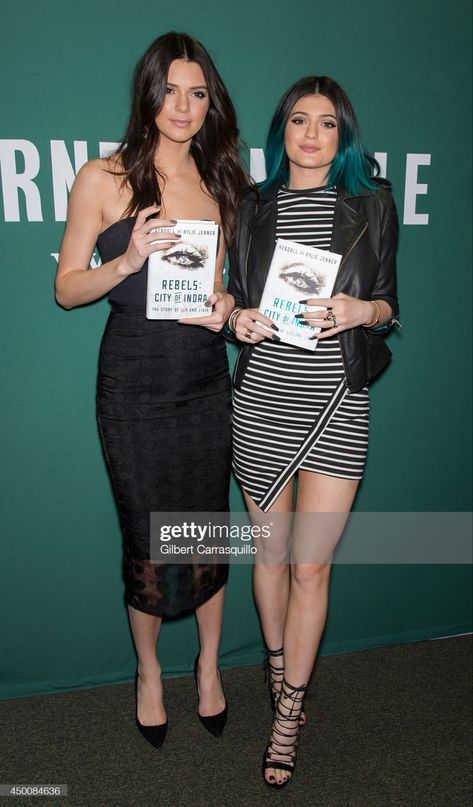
365, 233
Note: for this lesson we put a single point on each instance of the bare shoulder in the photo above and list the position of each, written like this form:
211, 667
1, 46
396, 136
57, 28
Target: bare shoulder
91, 195
100, 187
100, 174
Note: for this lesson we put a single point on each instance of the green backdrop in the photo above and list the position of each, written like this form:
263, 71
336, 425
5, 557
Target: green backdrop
66, 70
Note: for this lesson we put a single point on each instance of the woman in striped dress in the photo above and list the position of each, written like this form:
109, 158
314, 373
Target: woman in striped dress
301, 414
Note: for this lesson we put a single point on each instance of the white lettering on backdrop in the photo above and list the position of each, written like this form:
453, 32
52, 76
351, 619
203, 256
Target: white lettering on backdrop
413, 189
64, 173
15, 178
20, 166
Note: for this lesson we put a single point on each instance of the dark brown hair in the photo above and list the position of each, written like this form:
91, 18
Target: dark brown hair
215, 148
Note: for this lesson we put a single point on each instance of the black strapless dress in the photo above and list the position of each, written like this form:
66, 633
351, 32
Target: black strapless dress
164, 414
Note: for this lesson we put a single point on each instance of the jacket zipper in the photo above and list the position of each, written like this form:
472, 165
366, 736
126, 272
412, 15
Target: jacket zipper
235, 369
246, 264
352, 246
345, 257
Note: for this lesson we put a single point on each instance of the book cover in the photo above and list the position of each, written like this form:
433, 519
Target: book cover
297, 273
181, 278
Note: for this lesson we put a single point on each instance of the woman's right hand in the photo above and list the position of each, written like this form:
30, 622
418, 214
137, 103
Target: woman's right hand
144, 241
251, 326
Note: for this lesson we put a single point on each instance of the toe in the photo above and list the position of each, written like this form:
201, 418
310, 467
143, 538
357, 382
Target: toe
282, 776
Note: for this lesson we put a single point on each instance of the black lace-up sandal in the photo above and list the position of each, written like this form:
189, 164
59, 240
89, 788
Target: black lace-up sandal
281, 752
275, 676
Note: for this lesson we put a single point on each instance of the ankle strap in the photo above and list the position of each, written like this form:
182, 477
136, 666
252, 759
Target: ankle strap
300, 688
295, 696
269, 652
290, 691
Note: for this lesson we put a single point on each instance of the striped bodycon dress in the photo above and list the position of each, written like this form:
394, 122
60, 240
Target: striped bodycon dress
293, 410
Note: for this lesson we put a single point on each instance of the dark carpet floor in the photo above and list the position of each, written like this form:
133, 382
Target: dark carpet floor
386, 728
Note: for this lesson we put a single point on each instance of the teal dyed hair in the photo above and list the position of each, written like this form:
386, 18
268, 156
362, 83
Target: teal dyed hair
352, 167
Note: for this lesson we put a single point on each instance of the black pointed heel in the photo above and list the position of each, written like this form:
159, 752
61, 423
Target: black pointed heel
153, 734
215, 724
281, 753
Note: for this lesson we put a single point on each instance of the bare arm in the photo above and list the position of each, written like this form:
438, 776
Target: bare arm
76, 284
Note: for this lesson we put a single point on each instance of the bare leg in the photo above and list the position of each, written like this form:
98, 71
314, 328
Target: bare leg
209, 619
271, 576
307, 609
145, 629
307, 606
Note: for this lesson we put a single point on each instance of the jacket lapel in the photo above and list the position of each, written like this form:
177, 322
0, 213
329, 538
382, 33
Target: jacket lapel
262, 229
348, 225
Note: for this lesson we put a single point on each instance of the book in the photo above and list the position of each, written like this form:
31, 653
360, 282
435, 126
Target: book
297, 273
181, 278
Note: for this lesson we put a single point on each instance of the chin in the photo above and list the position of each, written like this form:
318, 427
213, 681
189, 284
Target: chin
178, 136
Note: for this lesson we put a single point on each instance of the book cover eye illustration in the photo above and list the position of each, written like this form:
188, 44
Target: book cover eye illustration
297, 273
181, 278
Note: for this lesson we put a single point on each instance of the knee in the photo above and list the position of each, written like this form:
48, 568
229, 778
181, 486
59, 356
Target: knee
274, 556
273, 567
314, 575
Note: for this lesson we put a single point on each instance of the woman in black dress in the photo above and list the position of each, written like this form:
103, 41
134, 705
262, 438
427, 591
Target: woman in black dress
163, 394
299, 413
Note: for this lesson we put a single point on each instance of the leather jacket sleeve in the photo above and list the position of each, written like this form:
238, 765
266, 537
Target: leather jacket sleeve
236, 251
239, 251
385, 287
234, 283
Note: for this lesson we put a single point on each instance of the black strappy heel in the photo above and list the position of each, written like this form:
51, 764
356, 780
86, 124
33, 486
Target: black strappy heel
275, 676
284, 734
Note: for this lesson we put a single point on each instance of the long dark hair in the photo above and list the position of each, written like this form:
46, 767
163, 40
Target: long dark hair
215, 148
352, 167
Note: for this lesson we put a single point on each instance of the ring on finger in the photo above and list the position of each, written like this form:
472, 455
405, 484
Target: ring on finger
248, 334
